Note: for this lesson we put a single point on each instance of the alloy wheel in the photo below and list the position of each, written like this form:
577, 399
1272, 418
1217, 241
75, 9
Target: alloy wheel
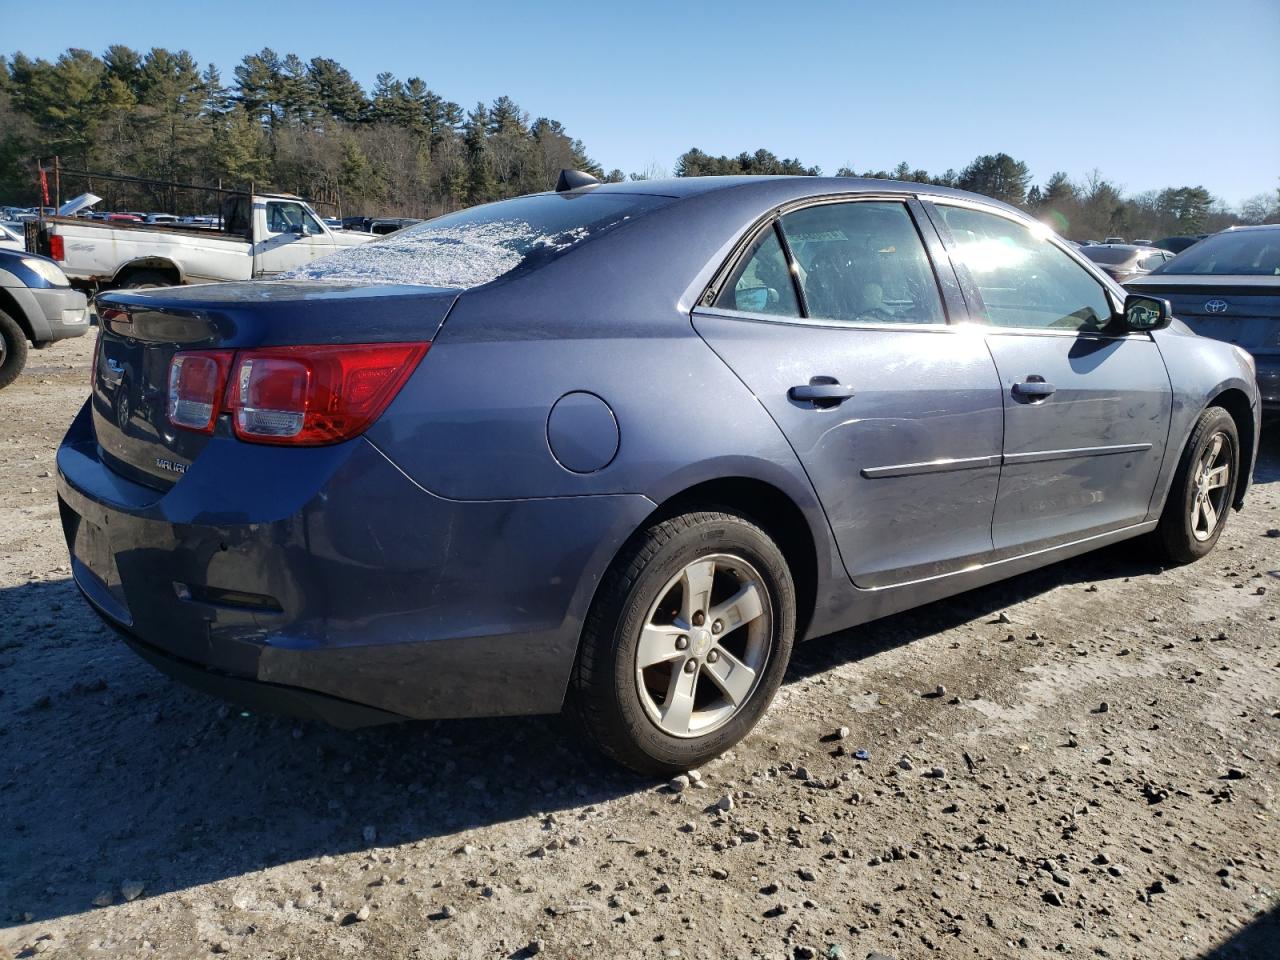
704, 646
1212, 479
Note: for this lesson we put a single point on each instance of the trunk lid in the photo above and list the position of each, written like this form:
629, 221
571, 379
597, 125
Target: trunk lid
141, 331
1244, 310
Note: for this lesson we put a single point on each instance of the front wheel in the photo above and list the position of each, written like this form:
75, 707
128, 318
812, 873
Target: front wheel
686, 643
1203, 488
13, 349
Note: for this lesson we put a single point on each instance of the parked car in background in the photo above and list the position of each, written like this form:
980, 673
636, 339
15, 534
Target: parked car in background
37, 307
1142, 243
385, 225
379, 226
161, 218
1124, 261
263, 235
482, 500
1114, 240
11, 239
1227, 287
1178, 244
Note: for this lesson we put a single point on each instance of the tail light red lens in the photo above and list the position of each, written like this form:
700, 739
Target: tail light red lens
196, 382
57, 250
304, 395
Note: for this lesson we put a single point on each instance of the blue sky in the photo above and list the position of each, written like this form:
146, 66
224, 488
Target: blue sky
1151, 94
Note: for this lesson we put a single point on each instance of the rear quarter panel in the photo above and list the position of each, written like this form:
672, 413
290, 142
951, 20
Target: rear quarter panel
611, 318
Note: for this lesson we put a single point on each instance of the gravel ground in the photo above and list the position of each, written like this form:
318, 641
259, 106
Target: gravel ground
1082, 760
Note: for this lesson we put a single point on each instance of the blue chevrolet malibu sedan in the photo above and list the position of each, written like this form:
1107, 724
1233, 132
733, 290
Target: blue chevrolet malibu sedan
617, 447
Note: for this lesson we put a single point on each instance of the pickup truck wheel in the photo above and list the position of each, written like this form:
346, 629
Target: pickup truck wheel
145, 279
13, 349
686, 642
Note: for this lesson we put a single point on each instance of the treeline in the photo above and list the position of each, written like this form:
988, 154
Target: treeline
308, 127
1093, 208
303, 127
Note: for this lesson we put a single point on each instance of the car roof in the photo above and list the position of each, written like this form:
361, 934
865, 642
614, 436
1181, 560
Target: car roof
785, 187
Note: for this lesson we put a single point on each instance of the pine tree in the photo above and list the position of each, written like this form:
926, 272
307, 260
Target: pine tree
335, 91
481, 186
258, 86
998, 176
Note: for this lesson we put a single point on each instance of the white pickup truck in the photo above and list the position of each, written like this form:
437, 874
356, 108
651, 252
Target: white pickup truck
261, 235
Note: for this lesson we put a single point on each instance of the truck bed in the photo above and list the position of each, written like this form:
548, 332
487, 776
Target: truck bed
96, 251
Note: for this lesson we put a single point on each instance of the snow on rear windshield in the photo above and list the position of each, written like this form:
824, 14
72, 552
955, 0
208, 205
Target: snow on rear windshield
474, 246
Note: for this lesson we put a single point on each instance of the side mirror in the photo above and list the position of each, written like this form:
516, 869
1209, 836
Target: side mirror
753, 299
297, 229
1142, 313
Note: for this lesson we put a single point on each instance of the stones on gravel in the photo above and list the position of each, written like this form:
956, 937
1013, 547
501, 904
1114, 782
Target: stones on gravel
678, 784
842, 733
132, 889
938, 773
725, 803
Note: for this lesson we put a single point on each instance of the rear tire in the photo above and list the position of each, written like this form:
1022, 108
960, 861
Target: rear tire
145, 280
13, 349
686, 643
1204, 486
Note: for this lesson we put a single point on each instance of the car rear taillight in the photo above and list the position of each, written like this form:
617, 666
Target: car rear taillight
196, 382
304, 395
57, 250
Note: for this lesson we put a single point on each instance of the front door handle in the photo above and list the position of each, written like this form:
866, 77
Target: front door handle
824, 394
1033, 388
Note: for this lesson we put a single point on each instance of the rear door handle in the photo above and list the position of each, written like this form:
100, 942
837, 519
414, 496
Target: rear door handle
824, 394
1034, 388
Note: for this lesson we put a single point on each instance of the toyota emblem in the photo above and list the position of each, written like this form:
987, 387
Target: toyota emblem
1216, 306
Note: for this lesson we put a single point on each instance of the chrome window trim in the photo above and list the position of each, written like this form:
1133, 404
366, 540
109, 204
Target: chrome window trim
830, 324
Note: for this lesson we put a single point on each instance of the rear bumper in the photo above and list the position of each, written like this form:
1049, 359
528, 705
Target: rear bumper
322, 581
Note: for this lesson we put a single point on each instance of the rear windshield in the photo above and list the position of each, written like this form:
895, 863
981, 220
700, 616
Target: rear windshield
1250, 253
474, 246
1106, 254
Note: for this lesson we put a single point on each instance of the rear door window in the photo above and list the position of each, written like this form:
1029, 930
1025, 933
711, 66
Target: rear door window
863, 262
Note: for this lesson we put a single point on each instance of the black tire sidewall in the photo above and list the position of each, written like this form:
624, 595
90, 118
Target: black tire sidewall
15, 349
1175, 526
144, 280
703, 536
